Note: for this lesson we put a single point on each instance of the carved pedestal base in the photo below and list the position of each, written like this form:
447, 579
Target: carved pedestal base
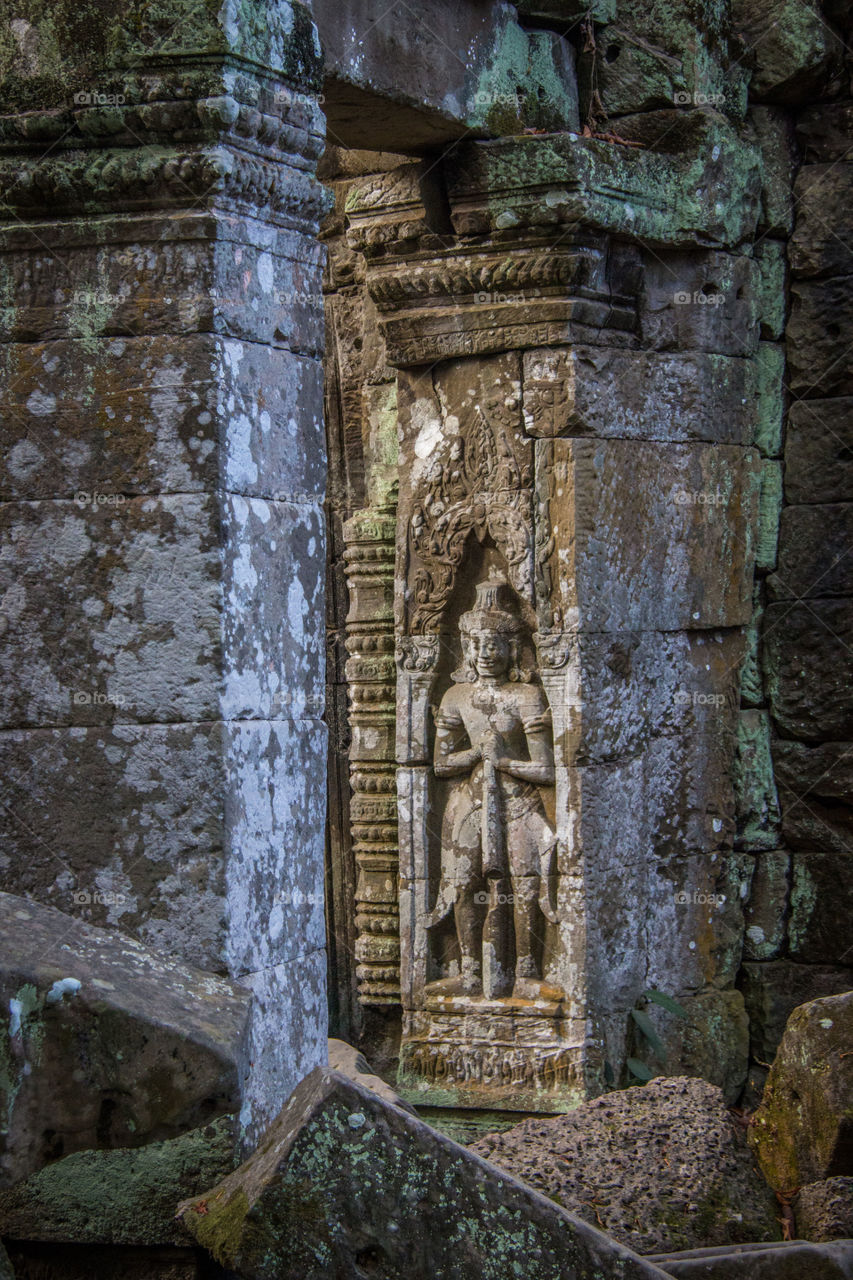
515, 1055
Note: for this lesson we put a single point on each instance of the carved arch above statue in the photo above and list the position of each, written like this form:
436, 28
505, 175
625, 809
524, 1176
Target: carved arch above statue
480, 484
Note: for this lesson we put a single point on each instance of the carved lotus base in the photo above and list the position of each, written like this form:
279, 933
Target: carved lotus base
513, 1054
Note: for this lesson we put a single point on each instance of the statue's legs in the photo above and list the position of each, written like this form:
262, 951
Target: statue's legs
468, 916
525, 907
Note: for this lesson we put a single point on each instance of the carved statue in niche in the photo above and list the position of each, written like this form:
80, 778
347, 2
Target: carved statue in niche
494, 744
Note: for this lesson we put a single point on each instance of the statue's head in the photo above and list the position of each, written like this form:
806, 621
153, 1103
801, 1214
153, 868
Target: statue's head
492, 634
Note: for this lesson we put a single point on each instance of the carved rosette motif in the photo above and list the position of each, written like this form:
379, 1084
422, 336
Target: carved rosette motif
371, 678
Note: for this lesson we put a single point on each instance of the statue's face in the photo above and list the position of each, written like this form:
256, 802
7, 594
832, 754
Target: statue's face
491, 653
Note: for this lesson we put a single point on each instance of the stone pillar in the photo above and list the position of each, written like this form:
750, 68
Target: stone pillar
577, 411
161, 597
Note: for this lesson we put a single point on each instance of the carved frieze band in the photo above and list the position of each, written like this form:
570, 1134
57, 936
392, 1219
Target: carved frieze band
371, 680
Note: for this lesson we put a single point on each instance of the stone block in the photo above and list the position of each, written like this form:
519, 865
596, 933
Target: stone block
819, 338
756, 801
712, 1043
814, 552
803, 1130
122, 1196
771, 287
774, 133
275, 807
766, 909
235, 277
117, 417
401, 86
816, 793
822, 243
650, 536
751, 679
605, 392
774, 988
135, 613
637, 62
634, 1159
286, 1037
110, 1044
824, 1210
769, 515
806, 663
707, 302
825, 132
821, 908
796, 52
273, 583
819, 451
339, 1164
770, 398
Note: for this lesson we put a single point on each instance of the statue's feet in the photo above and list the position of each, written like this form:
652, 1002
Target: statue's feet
535, 989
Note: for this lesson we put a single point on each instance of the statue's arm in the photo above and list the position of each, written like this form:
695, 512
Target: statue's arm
452, 756
539, 769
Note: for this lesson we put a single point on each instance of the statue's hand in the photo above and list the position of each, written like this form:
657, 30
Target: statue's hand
492, 747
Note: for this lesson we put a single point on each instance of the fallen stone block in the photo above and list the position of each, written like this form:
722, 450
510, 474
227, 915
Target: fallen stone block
792, 1260
351, 1063
343, 1184
124, 1197
107, 1044
803, 1130
658, 1166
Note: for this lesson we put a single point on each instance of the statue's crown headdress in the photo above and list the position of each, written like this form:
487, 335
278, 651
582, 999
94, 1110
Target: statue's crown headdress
494, 608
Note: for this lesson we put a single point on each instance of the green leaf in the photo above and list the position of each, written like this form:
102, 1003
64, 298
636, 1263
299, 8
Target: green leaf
643, 1021
640, 1070
666, 1002
609, 1077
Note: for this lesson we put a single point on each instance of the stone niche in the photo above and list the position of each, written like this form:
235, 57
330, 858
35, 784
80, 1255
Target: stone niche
574, 528
491, 914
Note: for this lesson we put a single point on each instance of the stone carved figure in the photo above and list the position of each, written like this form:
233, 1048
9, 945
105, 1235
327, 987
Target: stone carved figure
494, 743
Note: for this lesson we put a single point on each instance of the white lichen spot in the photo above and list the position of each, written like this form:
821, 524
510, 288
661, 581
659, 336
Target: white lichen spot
61, 988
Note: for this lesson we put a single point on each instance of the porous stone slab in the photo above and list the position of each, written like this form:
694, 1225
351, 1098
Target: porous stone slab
803, 1130
108, 1043
345, 1182
822, 243
819, 338
662, 1166
814, 552
819, 451
824, 1210
117, 1197
791, 1260
605, 392
773, 989
806, 653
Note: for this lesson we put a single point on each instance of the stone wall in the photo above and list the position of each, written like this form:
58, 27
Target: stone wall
162, 485
645, 415
796, 944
